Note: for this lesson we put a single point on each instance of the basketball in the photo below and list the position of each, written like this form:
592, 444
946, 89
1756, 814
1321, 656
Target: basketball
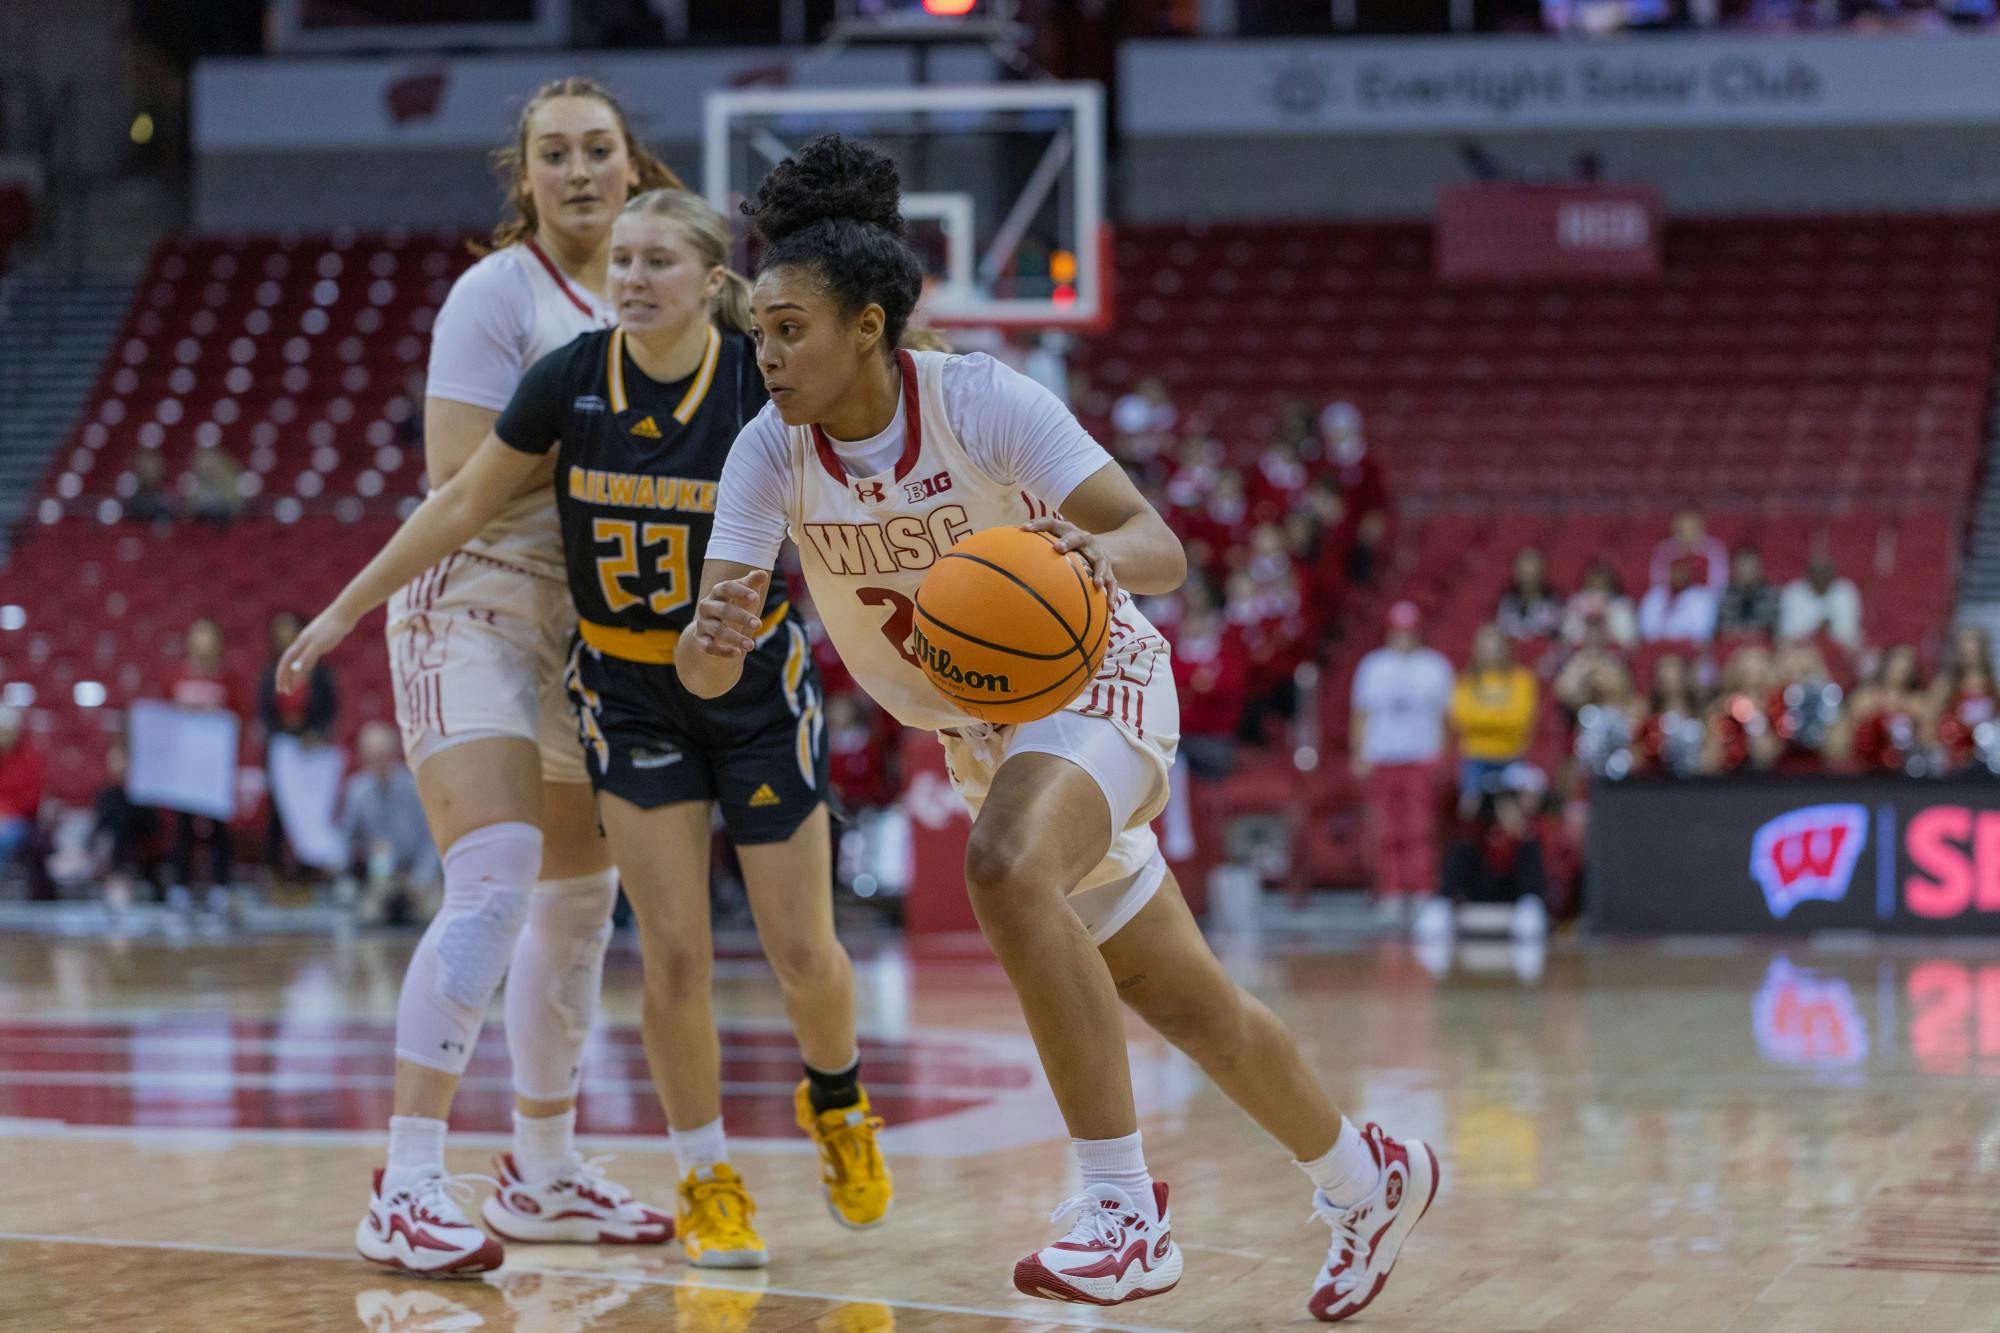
1009, 628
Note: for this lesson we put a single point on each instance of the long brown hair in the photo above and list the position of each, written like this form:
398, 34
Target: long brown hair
708, 233
511, 161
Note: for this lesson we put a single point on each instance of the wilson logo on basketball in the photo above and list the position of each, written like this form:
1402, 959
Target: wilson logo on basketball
937, 661
1808, 854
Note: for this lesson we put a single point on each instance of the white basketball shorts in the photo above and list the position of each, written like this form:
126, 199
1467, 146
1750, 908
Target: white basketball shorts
476, 648
1126, 748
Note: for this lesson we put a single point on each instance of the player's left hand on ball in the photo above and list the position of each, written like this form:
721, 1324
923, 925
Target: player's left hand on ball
726, 621
1069, 537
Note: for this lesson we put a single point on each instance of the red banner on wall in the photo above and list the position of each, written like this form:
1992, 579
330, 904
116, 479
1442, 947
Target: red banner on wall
1505, 229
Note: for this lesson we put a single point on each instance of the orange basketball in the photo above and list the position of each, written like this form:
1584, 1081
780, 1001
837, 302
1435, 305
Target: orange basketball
1008, 628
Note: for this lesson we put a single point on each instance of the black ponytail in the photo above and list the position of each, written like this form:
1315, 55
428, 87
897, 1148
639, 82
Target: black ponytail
836, 211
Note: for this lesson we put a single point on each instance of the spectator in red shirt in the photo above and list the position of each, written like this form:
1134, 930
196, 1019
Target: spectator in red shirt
201, 683
1673, 738
1270, 621
1804, 707
1364, 492
20, 786
1212, 671
1890, 715
1970, 703
1740, 735
1690, 541
1278, 482
858, 743
1326, 576
1222, 524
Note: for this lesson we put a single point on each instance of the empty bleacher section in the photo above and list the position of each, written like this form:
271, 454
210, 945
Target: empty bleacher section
303, 359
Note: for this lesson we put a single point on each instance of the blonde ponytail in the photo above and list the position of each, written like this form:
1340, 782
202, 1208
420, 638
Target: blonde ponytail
731, 309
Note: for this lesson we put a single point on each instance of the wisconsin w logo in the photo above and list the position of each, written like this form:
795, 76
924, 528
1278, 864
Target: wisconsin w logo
1808, 854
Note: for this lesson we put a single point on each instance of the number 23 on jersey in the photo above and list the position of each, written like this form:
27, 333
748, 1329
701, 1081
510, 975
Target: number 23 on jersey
662, 547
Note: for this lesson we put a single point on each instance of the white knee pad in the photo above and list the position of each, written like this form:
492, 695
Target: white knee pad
464, 952
552, 991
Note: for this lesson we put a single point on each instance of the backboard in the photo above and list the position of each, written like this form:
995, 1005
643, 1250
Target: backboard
1003, 187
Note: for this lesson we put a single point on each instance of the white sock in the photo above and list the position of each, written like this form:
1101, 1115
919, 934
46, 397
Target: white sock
543, 1144
1120, 1162
416, 1150
698, 1149
1347, 1173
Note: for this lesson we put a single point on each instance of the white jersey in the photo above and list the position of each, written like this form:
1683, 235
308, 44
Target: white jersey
504, 314
866, 542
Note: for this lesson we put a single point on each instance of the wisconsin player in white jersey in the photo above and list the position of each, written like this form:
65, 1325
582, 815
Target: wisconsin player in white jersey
875, 463
476, 645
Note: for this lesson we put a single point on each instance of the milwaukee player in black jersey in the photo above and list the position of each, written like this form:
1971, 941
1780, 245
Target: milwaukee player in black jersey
639, 420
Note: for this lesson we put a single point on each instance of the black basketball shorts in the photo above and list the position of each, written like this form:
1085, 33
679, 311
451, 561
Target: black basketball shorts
759, 751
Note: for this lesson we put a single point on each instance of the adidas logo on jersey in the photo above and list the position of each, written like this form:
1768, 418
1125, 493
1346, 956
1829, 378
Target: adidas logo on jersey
646, 430
763, 796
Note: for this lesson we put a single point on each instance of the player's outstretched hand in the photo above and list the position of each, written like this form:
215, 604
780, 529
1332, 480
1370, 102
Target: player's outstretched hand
727, 620
1069, 537
315, 641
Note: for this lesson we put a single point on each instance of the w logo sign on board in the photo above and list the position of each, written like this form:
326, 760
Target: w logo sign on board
1808, 854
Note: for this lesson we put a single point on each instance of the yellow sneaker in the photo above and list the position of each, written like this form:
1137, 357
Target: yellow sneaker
714, 1222
858, 1189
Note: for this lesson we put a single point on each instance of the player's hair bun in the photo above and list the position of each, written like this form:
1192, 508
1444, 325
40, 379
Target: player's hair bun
831, 179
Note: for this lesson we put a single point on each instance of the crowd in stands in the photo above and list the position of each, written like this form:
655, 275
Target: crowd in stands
387, 864
1711, 669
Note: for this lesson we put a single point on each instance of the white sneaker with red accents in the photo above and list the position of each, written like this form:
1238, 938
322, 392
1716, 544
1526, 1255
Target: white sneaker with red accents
577, 1205
422, 1228
1118, 1251
1368, 1236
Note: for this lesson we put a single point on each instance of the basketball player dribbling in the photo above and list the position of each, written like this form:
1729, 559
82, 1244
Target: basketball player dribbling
476, 645
875, 462
640, 419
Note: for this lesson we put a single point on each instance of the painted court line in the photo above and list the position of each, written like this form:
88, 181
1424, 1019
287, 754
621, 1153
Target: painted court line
1057, 1318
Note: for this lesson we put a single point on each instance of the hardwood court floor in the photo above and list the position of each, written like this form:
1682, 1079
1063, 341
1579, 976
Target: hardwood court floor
1639, 1138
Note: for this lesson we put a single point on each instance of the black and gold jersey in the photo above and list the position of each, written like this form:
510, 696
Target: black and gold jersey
637, 462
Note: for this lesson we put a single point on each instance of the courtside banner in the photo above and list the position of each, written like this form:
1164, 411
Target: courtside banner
1791, 856
1697, 81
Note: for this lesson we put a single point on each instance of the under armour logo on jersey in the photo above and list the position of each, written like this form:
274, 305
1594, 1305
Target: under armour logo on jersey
646, 430
870, 492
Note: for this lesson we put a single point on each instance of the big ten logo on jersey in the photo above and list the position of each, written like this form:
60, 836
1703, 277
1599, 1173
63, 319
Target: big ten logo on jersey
900, 544
927, 488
